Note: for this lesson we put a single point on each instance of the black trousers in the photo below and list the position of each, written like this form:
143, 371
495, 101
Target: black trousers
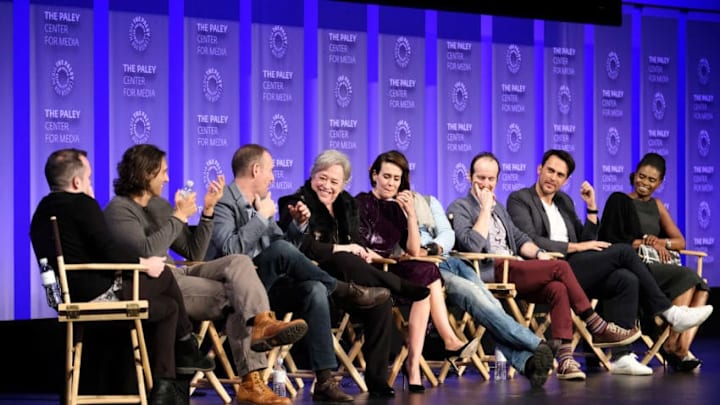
621, 280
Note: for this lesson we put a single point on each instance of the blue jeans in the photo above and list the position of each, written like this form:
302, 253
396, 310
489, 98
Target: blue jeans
465, 289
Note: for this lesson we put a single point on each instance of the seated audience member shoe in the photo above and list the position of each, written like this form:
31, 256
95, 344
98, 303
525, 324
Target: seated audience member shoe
569, 369
380, 390
629, 365
465, 351
538, 366
163, 392
614, 336
361, 297
330, 391
268, 332
685, 364
252, 389
683, 318
188, 358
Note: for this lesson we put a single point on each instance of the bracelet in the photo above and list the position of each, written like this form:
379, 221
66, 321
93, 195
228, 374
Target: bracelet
668, 244
206, 217
590, 212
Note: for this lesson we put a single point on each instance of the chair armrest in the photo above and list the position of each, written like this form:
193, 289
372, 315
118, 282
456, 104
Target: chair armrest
107, 266
556, 255
383, 260
429, 259
695, 253
482, 256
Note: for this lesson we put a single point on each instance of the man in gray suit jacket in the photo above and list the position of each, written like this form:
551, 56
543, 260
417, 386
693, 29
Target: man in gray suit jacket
611, 272
245, 223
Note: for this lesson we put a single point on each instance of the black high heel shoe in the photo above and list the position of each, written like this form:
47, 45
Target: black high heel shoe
412, 388
467, 350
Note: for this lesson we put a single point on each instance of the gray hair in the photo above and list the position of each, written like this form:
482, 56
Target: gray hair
329, 158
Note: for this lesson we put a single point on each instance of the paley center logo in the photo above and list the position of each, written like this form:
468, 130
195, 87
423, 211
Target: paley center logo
278, 41
704, 215
460, 178
403, 135
612, 65
659, 105
139, 127
703, 71
513, 58
212, 85
612, 141
703, 143
343, 91
459, 96
211, 171
403, 51
62, 77
513, 138
564, 99
278, 130
139, 33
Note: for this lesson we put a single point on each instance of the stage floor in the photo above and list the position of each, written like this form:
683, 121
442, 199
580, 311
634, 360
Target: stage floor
701, 387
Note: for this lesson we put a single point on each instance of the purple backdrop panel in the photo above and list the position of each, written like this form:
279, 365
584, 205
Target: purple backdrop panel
7, 298
61, 112
703, 123
212, 92
612, 110
138, 80
658, 106
459, 101
277, 90
513, 111
402, 88
565, 99
342, 93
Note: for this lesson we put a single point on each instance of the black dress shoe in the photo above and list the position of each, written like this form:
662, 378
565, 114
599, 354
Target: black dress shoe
163, 392
189, 359
330, 391
364, 297
381, 391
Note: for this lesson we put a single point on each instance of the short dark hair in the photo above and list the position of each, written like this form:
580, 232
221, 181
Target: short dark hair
61, 166
651, 159
246, 156
399, 160
483, 155
562, 155
138, 165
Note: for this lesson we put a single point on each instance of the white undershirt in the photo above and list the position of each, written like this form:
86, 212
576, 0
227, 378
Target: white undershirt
558, 229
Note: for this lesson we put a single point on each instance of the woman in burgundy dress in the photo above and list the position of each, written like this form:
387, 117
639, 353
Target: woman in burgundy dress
389, 227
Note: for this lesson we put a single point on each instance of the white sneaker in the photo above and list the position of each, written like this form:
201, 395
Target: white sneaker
628, 365
683, 318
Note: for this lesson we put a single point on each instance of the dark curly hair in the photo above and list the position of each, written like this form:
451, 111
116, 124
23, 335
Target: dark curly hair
651, 159
139, 164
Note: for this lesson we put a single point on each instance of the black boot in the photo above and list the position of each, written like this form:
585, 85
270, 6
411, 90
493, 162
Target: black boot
188, 358
163, 392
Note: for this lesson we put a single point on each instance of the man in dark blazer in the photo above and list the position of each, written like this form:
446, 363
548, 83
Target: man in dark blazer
612, 273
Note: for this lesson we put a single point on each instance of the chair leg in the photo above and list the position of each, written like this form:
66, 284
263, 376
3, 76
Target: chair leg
140, 360
654, 348
143, 354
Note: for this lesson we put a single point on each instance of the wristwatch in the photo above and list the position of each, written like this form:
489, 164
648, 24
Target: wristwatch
540, 250
668, 244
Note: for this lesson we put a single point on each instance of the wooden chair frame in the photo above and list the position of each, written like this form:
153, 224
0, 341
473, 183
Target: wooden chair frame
655, 346
75, 313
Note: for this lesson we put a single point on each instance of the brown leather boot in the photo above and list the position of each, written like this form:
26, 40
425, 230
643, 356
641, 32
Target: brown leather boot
254, 390
268, 332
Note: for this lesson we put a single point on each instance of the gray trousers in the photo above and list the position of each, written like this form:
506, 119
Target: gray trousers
210, 288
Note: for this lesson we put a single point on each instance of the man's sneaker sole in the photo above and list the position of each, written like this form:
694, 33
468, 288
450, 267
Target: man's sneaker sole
289, 335
635, 336
576, 376
543, 362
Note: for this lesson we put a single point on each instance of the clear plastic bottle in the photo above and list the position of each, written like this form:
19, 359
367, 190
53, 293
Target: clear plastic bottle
279, 376
187, 189
49, 281
500, 366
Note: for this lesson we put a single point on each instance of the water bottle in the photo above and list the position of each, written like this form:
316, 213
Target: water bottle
279, 376
187, 189
500, 366
49, 281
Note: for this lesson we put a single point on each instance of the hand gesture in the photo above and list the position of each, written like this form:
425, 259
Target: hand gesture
406, 200
155, 265
265, 206
185, 205
485, 197
300, 213
587, 193
214, 194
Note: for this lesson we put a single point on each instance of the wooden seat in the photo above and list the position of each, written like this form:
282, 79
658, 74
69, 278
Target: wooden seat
75, 314
655, 346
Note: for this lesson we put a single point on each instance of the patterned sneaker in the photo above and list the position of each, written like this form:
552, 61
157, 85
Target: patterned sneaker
615, 335
570, 370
